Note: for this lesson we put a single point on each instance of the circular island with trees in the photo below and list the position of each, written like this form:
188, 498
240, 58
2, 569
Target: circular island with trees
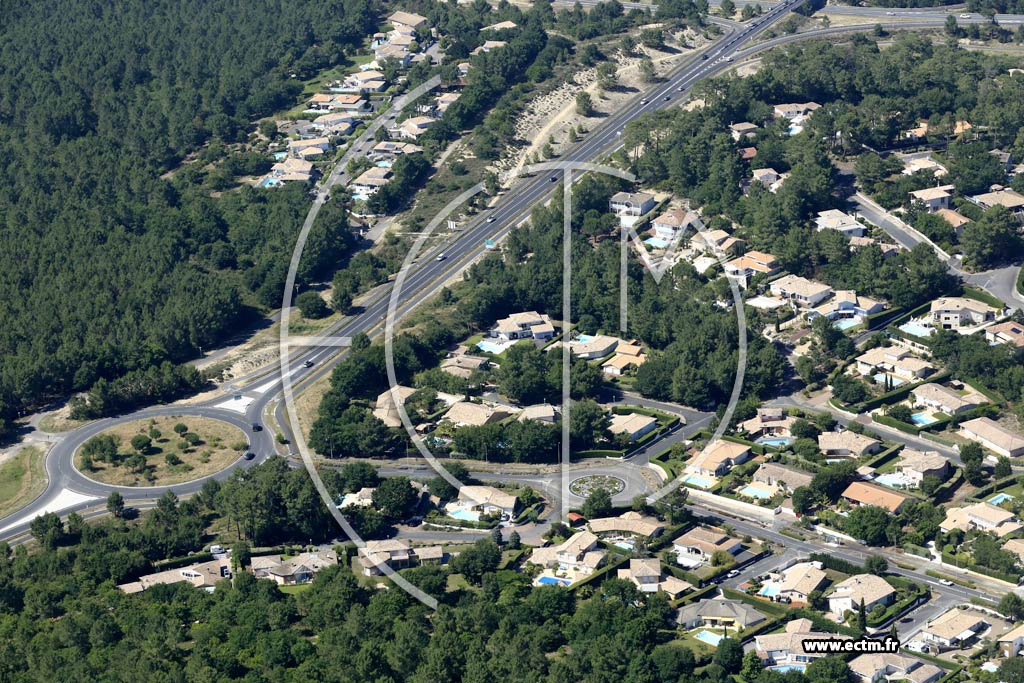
160, 451
584, 486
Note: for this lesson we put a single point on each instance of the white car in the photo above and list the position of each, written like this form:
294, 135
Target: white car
965, 16
945, 582
440, 257
490, 219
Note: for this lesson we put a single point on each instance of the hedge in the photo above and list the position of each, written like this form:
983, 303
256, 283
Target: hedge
884, 456
898, 608
599, 453
895, 424
175, 562
984, 297
600, 575
895, 395
838, 564
773, 608
916, 550
525, 513
940, 494
757, 448
949, 558
890, 314
994, 487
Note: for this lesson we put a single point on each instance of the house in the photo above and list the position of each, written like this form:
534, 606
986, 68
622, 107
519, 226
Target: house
416, 126
1009, 332
993, 436
336, 123
718, 457
847, 443
338, 102
923, 165
633, 425
302, 568
954, 312
462, 365
961, 128
916, 465
576, 555
743, 130
370, 181
769, 422
834, 219
787, 648
801, 291
714, 240
627, 358
592, 347
895, 361
859, 493
1011, 643
542, 412
848, 305
718, 613
868, 589
954, 628
631, 203
769, 178
500, 26
488, 500
292, 170
203, 575
631, 522
800, 580
750, 264
892, 667
697, 545
933, 198
667, 225
375, 555
981, 517
917, 133
445, 100
260, 565
1008, 199
525, 325
647, 576
1015, 546
954, 218
888, 250
386, 410
783, 476
469, 414
362, 498
793, 111
388, 148
305, 148
407, 20
943, 399
398, 51
370, 80
747, 153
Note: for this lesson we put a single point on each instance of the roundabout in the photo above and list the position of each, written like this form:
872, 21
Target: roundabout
584, 486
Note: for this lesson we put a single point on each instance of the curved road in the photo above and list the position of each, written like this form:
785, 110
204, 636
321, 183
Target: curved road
423, 281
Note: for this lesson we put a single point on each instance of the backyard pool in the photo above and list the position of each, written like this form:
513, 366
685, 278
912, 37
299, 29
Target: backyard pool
756, 492
880, 378
464, 515
490, 347
776, 441
894, 480
280, 155
383, 164
656, 242
625, 545
769, 590
700, 482
584, 338
270, 182
845, 323
916, 329
1000, 498
709, 638
552, 581
789, 667
923, 418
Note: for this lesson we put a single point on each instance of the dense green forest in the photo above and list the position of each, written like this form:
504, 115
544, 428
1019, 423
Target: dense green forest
108, 267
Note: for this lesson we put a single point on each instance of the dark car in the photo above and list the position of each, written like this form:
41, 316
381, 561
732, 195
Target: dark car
249, 456
256, 427
554, 179
308, 364
703, 56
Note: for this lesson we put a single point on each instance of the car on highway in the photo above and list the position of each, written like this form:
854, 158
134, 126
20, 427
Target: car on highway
729, 59
440, 257
890, 14
490, 219
965, 16
945, 582
307, 364
643, 101
733, 574
703, 57
553, 179
249, 455
257, 427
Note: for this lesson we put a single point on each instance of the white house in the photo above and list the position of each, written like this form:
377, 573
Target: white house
867, 588
718, 458
993, 436
801, 291
524, 325
631, 203
840, 221
633, 425
954, 312
577, 555
953, 628
893, 666
488, 500
943, 399
668, 224
787, 648
933, 198
846, 444
697, 545
751, 264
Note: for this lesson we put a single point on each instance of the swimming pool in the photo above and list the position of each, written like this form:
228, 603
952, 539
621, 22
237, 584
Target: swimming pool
698, 481
894, 480
789, 667
625, 545
880, 378
755, 492
776, 441
846, 323
464, 515
1000, 498
552, 581
709, 638
584, 338
490, 347
280, 155
270, 182
656, 242
923, 418
383, 164
916, 330
769, 590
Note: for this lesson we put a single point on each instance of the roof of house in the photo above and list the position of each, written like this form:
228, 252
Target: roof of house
474, 414
630, 522
990, 430
632, 197
430, 552
1006, 198
488, 495
747, 153
501, 25
754, 260
576, 545
959, 303
792, 639
946, 397
542, 411
717, 452
800, 286
866, 587
793, 477
954, 624
743, 127
845, 440
630, 423
1016, 633
1015, 546
802, 578
202, 575
406, 18
720, 608
895, 666
1010, 330
954, 218
708, 540
676, 218
836, 219
921, 461
869, 494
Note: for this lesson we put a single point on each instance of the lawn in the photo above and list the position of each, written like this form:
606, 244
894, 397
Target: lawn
22, 478
295, 589
206, 446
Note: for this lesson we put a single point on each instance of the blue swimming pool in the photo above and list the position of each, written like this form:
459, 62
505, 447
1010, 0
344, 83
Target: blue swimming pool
776, 441
709, 638
916, 330
923, 418
790, 667
880, 378
552, 581
270, 182
846, 323
625, 545
894, 480
383, 164
755, 492
1000, 498
280, 155
490, 347
584, 338
656, 242
464, 515
698, 481
769, 590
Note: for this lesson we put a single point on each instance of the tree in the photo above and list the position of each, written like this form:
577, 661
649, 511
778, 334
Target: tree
312, 305
1012, 606
115, 504
240, 556
514, 542
752, 667
1003, 467
876, 565
722, 558
868, 523
180, 428
496, 536
728, 8
588, 423
598, 504
395, 498
729, 655
584, 104
481, 558
141, 443
803, 500
829, 670
647, 72
971, 452
607, 75
901, 412
1011, 670
653, 38
952, 27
